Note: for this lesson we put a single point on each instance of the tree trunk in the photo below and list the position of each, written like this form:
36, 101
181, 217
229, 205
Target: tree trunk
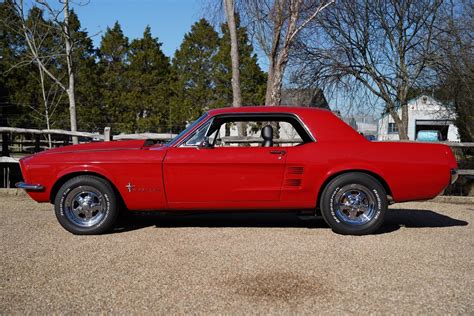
70, 69
45, 102
280, 53
276, 71
268, 92
402, 131
234, 53
234, 56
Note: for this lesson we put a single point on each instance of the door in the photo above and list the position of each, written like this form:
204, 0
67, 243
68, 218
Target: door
221, 176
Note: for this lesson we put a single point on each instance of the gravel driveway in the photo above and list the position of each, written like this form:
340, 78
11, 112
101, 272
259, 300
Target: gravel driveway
421, 262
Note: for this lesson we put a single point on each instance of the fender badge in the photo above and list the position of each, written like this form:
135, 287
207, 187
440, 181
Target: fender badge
130, 187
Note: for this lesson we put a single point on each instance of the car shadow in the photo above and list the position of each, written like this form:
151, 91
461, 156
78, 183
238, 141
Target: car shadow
394, 219
397, 218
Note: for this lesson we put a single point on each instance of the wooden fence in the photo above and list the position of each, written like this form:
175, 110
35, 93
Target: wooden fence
37, 140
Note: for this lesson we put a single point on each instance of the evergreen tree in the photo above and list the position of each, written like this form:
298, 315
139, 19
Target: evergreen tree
11, 78
194, 70
252, 78
88, 101
21, 75
148, 92
112, 62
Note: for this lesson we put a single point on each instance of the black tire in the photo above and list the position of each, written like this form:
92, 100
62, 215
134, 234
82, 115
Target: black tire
86, 205
354, 204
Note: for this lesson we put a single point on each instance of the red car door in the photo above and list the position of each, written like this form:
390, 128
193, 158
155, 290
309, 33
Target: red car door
218, 177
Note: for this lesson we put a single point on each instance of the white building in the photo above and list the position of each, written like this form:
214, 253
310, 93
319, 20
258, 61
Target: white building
366, 125
424, 113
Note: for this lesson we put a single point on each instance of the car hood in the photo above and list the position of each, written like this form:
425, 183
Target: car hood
98, 146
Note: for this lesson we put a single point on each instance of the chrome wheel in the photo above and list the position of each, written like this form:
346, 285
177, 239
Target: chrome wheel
355, 204
85, 206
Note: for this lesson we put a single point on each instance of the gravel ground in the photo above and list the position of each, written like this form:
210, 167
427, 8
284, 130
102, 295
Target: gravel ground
421, 262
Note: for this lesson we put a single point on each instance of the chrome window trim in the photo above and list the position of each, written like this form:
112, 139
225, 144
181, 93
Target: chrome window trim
289, 114
211, 118
307, 130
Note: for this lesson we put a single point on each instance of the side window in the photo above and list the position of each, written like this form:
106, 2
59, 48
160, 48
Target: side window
240, 133
288, 136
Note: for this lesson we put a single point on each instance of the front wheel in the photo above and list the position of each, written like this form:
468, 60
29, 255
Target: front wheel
354, 204
86, 205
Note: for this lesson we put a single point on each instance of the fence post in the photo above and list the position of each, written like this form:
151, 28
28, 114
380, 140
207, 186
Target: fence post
65, 140
5, 143
37, 143
107, 134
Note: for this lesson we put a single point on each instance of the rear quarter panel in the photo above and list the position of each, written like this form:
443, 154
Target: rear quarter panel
414, 171
411, 171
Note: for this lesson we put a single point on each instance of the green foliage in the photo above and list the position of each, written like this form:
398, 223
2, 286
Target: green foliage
130, 86
21, 75
148, 90
11, 78
112, 64
90, 116
135, 82
193, 69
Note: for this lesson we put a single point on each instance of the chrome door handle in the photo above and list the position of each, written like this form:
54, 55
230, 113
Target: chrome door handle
277, 152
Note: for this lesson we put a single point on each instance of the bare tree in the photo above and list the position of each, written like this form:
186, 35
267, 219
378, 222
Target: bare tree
71, 89
33, 41
276, 25
454, 65
44, 36
384, 45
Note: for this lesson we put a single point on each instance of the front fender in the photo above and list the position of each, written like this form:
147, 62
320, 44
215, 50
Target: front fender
85, 168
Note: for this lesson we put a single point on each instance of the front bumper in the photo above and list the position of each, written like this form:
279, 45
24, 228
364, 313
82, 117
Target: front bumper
29, 186
454, 175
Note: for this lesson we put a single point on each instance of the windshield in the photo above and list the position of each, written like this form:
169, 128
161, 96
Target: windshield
186, 130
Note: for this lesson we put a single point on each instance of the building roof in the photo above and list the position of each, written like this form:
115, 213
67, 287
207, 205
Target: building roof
310, 97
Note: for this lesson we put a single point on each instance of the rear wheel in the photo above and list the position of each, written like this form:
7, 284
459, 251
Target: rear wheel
86, 205
354, 204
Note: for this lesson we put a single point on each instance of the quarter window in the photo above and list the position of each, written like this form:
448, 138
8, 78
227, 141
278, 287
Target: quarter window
198, 137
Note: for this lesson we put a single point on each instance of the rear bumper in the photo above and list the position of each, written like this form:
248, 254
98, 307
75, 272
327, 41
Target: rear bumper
29, 186
454, 175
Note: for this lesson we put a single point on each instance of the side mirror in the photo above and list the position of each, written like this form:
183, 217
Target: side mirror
205, 143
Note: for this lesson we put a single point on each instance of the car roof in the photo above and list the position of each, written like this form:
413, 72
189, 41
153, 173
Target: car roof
265, 109
323, 124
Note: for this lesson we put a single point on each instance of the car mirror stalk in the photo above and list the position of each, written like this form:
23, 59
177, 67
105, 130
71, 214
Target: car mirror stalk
205, 143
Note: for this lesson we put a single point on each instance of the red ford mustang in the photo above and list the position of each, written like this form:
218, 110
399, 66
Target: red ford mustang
291, 159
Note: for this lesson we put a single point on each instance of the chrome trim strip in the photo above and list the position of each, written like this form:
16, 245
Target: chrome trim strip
454, 175
29, 186
304, 126
296, 116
